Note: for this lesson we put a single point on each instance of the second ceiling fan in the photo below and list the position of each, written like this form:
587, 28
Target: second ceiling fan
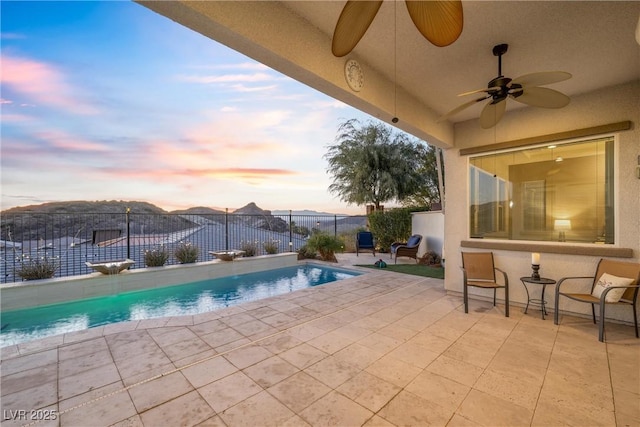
525, 89
439, 21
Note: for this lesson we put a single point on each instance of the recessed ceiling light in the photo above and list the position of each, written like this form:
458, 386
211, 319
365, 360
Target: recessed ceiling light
552, 146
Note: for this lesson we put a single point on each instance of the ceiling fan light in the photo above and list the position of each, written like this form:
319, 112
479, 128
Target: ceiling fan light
439, 21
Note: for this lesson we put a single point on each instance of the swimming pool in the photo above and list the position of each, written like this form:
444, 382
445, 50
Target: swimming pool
180, 300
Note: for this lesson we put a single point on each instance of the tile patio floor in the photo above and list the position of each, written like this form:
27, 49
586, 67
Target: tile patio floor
379, 350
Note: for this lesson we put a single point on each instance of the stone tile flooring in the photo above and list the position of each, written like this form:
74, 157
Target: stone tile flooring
381, 349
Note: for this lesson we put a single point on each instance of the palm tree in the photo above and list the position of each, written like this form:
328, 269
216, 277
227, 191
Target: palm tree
372, 164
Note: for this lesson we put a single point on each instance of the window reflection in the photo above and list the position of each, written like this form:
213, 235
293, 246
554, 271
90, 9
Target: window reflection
561, 192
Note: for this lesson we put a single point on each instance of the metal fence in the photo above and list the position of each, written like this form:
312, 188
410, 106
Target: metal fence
71, 239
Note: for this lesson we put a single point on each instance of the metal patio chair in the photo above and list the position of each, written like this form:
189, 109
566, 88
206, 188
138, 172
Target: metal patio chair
622, 278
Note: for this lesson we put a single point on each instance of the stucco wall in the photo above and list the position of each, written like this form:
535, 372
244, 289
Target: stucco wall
612, 105
431, 226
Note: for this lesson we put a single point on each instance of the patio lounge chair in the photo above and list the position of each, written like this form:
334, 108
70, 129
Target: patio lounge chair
615, 282
479, 271
408, 248
364, 240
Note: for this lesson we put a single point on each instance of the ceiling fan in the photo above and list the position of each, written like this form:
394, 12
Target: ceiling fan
439, 21
525, 89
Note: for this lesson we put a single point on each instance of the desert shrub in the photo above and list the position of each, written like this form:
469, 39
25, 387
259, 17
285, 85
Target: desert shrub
326, 245
390, 226
37, 268
186, 253
249, 248
430, 258
306, 253
156, 257
271, 247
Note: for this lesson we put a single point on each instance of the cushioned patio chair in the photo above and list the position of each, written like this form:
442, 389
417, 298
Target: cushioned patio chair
479, 271
364, 240
615, 283
408, 248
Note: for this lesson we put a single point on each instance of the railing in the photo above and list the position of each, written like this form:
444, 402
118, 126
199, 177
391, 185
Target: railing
73, 239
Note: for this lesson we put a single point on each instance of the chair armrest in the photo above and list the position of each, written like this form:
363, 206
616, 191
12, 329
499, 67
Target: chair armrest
561, 281
504, 275
603, 296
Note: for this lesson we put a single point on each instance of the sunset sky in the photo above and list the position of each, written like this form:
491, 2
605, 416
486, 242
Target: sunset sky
110, 101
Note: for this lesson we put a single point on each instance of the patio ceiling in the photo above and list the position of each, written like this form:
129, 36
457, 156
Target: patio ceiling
592, 40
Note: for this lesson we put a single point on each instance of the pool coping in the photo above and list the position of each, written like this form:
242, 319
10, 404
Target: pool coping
33, 293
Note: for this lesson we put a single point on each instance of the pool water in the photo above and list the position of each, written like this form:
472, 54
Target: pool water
187, 299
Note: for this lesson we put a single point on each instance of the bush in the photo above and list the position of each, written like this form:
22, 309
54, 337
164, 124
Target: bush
430, 258
156, 257
186, 253
349, 239
326, 245
271, 247
390, 226
249, 248
305, 253
37, 268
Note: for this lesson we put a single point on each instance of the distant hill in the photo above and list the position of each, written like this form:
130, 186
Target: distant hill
253, 216
199, 210
76, 218
28, 222
83, 206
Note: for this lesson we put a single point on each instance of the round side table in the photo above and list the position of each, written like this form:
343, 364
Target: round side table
541, 302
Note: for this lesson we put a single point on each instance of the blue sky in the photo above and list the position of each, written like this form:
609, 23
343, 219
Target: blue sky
110, 101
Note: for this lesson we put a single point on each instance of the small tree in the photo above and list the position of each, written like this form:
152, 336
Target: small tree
371, 164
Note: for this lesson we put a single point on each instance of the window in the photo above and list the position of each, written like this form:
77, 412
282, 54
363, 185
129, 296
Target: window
561, 192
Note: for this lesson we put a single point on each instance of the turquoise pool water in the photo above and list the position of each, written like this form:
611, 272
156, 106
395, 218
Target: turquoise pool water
180, 300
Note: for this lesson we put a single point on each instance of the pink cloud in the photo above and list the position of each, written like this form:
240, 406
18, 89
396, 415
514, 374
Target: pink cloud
41, 83
174, 175
63, 141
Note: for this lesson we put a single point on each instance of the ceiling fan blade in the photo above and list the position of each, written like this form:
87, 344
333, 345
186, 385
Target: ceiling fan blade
488, 90
439, 21
354, 21
460, 108
492, 113
542, 97
542, 78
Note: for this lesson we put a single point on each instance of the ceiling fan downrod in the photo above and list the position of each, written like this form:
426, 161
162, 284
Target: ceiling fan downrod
500, 83
499, 50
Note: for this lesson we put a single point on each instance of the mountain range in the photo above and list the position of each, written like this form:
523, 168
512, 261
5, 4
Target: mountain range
111, 206
73, 217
